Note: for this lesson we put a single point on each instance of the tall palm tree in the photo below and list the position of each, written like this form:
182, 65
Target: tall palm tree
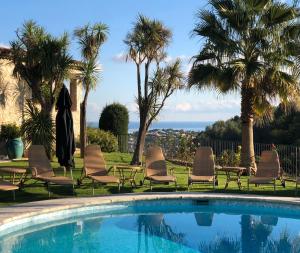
251, 47
146, 46
90, 39
42, 61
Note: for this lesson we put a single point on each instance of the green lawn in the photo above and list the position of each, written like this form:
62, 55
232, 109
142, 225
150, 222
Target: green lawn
36, 191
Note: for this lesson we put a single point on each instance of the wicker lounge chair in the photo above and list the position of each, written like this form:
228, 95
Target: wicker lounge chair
203, 170
42, 170
8, 186
156, 168
268, 170
95, 168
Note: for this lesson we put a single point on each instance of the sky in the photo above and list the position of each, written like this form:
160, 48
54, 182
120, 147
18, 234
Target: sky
117, 81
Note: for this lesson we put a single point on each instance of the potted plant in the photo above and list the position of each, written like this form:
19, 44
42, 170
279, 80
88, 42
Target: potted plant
11, 134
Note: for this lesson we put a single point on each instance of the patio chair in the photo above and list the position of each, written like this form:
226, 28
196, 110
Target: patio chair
268, 170
203, 170
42, 171
156, 168
94, 168
8, 186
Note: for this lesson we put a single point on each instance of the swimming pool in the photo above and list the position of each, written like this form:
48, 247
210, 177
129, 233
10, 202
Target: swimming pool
188, 225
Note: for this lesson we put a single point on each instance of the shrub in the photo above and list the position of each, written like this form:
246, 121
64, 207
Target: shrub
37, 128
106, 140
114, 118
230, 158
9, 132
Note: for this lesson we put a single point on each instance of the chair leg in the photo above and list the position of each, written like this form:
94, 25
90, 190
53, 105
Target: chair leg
150, 185
119, 186
14, 195
274, 186
48, 189
175, 186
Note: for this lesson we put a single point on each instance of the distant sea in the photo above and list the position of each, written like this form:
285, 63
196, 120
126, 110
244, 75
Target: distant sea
176, 125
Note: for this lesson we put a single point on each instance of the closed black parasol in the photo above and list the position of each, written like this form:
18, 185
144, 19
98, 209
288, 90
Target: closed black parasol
65, 143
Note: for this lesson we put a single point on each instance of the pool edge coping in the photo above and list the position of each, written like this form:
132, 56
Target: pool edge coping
31, 209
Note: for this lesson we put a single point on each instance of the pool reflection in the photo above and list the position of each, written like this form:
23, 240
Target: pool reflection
205, 232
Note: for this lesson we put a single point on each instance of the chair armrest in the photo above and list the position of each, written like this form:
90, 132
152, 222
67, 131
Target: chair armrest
63, 169
112, 168
34, 172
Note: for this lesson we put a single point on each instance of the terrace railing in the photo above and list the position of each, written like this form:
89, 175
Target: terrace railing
225, 151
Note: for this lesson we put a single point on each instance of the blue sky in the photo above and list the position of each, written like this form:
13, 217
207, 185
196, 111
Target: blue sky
118, 79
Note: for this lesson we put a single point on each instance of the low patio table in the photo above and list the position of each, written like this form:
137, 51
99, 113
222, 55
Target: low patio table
128, 173
17, 174
233, 174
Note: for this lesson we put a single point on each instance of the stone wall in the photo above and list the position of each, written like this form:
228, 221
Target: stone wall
13, 94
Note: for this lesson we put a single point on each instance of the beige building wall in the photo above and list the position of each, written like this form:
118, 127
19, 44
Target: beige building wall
13, 95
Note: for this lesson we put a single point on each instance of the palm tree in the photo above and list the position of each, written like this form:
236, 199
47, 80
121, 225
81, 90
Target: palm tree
42, 61
90, 39
146, 45
252, 47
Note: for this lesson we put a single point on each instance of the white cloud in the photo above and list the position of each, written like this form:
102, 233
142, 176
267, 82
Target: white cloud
183, 107
213, 106
132, 107
4, 45
183, 58
120, 57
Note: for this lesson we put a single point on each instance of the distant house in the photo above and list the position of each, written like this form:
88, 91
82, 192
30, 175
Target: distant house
14, 93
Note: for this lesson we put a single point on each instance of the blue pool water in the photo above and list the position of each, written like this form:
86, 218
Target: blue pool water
186, 226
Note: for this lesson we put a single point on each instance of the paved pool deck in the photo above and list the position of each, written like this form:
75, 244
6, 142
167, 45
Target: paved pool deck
31, 209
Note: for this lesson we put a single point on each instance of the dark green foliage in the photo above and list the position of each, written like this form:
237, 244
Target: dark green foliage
38, 128
106, 140
114, 118
223, 130
229, 158
283, 129
9, 132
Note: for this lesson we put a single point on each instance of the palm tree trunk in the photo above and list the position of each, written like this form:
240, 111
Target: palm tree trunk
140, 142
247, 114
83, 134
82, 128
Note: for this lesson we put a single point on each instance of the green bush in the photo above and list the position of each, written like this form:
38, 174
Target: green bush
106, 140
114, 118
9, 132
38, 129
230, 158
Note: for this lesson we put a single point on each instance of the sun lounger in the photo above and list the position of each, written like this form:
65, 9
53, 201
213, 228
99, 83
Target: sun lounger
42, 170
203, 170
8, 186
156, 168
268, 169
95, 168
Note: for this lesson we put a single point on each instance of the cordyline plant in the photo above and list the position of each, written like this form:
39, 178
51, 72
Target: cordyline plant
146, 48
42, 61
90, 39
250, 46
